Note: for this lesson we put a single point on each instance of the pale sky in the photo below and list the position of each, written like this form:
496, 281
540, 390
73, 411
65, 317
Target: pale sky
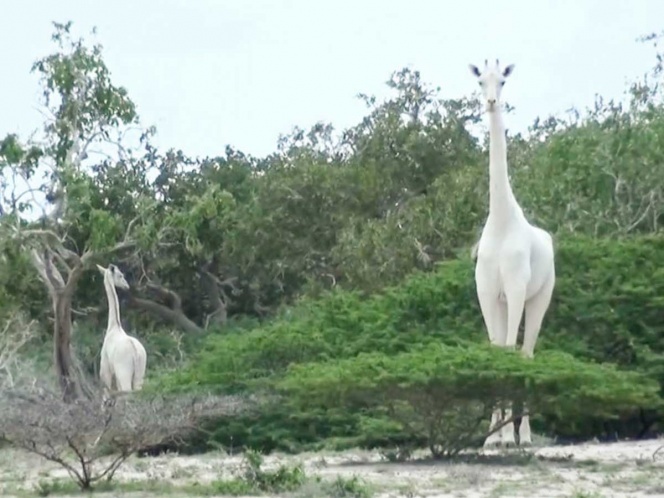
209, 73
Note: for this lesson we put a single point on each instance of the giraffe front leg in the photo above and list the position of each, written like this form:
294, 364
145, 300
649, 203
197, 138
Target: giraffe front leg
525, 436
494, 439
507, 432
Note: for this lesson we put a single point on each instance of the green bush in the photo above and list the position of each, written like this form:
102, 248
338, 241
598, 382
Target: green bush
428, 308
606, 308
445, 394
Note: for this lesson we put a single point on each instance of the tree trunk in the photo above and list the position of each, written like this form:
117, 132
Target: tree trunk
64, 368
218, 309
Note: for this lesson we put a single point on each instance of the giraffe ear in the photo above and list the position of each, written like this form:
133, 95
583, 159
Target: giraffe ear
508, 70
101, 269
474, 70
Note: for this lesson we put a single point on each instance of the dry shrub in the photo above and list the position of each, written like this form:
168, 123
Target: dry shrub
92, 436
15, 333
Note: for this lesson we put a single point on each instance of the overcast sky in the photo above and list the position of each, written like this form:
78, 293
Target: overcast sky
240, 72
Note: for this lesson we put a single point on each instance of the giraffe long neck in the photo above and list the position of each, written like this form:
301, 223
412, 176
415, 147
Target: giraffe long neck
113, 306
502, 203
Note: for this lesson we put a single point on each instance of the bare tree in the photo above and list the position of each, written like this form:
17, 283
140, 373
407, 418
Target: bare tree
92, 437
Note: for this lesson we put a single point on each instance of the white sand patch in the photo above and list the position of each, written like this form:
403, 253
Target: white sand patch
624, 469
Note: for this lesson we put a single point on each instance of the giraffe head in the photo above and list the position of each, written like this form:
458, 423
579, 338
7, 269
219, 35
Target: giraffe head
491, 81
114, 274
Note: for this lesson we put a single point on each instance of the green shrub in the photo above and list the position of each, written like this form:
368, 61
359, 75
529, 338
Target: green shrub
446, 394
253, 480
347, 488
606, 308
277, 481
429, 308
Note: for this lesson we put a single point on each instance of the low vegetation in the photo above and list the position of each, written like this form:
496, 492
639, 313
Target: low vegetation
251, 480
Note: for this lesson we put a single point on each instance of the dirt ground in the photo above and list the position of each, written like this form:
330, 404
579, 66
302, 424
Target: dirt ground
623, 469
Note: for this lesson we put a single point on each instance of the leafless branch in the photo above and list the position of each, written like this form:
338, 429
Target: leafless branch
654, 455
130, 226
42, 234
422, 254
646, 205
169, 311
53, 275
16, 333
79, 435
172, 298
50, 275
219, 300
332, 278
62, 260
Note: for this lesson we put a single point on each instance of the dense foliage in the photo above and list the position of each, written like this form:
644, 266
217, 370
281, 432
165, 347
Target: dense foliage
341, 251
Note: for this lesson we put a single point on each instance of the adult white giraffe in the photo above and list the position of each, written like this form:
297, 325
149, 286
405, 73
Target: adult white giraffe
123, 357
515, 260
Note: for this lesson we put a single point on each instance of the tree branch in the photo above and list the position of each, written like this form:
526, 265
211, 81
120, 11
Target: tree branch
15, 334
218, 299
168, 314
50, 275
90, 256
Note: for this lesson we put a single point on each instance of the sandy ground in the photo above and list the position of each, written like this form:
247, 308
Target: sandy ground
623, 469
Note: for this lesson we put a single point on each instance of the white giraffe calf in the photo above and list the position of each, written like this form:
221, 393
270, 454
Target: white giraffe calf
123, 357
